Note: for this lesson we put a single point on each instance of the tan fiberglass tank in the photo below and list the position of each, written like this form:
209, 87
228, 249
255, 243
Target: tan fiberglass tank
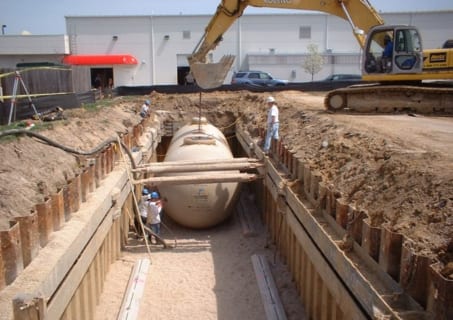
199, 205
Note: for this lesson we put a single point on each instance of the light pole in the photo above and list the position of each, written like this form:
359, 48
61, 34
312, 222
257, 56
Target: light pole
3, 29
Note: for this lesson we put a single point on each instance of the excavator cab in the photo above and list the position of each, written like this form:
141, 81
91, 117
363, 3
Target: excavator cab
392, 50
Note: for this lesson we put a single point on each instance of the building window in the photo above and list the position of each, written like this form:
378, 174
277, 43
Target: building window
186, 34
304, 32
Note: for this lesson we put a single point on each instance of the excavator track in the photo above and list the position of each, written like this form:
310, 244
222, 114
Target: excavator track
391, 99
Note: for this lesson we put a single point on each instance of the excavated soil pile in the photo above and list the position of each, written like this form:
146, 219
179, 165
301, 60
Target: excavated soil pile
396, 168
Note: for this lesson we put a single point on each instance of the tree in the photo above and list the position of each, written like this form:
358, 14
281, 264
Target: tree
313, 61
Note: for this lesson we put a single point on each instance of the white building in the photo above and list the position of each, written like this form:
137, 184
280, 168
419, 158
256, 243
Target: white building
153, 50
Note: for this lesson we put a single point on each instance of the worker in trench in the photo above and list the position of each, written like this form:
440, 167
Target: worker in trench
272, 124
154, 217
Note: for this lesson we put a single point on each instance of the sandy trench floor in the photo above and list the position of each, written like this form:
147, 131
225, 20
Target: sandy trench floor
208, 275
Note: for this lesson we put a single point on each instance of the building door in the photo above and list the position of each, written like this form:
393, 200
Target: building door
102, 78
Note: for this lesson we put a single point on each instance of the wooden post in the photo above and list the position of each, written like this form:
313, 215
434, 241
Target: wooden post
29, 236
98, 170
371, 239
58, 209
12, 252
307, 176
92, 177
74, 190
390, 252
45, 221
84, 186
2, 268
414, 274
440, 293
355, 223
341, 213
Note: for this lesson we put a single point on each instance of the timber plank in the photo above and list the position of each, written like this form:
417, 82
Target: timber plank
269, 293
136, 285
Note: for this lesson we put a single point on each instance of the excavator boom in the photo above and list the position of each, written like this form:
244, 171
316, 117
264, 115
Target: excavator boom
404, 62
360, 14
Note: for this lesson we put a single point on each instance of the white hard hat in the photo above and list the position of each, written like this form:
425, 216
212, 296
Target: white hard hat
270, 99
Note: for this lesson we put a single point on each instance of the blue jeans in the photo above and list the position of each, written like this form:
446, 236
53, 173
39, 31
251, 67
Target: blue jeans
155, 228
272, 132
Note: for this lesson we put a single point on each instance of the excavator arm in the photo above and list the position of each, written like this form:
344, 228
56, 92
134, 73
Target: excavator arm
359, 13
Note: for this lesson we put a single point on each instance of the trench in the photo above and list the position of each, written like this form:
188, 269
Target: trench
328, 252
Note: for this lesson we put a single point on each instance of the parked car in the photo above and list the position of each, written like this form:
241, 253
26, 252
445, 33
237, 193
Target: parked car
257, 78
343, 77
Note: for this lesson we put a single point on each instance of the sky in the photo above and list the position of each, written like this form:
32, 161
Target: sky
45, 17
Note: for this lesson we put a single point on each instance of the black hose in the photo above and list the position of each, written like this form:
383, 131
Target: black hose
67, 149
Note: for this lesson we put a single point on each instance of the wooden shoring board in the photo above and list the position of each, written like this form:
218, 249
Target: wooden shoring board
325, 272
45, 274
358, 279
134, 292
364, 290
272, 304
80, 268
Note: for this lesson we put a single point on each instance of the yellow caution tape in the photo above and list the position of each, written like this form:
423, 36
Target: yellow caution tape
33, 95
3, 75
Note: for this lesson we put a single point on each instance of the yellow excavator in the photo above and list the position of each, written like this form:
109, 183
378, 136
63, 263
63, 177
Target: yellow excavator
398, 74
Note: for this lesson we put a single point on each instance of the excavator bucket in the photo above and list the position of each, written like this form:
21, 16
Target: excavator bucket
211, 75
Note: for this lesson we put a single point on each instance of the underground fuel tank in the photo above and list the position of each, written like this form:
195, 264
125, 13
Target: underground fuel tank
200, 205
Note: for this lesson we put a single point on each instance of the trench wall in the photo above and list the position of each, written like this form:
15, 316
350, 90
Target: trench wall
53, 262
343, 267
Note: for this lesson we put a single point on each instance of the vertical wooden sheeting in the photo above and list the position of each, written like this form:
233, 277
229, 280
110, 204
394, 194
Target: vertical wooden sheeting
126, 211
74, 194
314, 188
86, 297
108, 161
45, 221
322, 201
390, 252
117, 238
371, 239
331, 202
294, 165
103, 164
85, 184
440, 293
127, 140
92, 177
309, 288
300, 170
29, 236
297, 265
11, 252
302, 275
292, 253
355, 223
307, 183
341, 213
58, 213
414, 274
2, 267
98, 170
317, 293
